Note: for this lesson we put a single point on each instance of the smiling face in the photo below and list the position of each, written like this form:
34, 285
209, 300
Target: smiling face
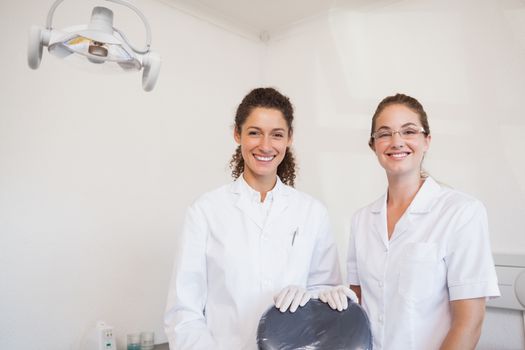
263, 138
397, 155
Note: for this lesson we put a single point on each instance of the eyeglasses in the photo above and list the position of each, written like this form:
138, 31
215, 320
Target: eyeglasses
406, 133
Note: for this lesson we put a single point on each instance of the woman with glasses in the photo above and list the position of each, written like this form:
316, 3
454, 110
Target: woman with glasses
419, 257
250, 243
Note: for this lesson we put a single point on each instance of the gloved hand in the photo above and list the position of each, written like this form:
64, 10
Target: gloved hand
291, 297
336, 297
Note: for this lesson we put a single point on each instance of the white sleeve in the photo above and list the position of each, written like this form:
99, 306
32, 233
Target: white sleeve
324, 266
352, 272
470, 267
184, 320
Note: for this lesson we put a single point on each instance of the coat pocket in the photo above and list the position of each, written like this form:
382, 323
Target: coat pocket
418, 273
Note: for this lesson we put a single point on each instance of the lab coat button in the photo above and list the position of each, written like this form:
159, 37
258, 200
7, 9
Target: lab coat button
381, 284
380, 318
266, 282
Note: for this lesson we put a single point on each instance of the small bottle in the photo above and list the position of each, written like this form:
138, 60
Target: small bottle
133, 341
147, 340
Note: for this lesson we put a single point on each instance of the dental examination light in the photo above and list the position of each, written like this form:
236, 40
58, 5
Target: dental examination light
98, 43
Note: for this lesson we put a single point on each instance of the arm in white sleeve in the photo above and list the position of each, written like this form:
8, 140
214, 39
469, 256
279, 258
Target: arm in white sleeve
351, 258
470, 267
184, 320
336, 297
324, 266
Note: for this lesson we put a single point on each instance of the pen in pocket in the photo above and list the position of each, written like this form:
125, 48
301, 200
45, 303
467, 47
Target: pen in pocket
294, 234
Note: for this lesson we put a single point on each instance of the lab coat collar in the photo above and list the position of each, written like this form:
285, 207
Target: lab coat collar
281, 194
240, 186
378, 206
426, 197
379, 226
245, 193
422, 202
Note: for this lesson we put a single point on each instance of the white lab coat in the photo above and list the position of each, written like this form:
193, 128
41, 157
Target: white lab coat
439, 252
232, 262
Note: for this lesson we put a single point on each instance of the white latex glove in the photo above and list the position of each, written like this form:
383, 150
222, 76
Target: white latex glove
291, 297
336, 297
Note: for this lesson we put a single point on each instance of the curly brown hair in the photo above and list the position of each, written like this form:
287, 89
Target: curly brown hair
265, 98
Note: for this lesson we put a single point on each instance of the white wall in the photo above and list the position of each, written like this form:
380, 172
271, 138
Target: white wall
95, 174
465, 61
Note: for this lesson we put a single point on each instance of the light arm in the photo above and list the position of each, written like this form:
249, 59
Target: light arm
467, 320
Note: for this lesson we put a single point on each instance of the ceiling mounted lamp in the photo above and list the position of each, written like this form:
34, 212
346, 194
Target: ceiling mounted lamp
98, 43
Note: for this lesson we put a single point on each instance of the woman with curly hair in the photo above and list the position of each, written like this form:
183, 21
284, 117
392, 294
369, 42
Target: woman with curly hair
251, 243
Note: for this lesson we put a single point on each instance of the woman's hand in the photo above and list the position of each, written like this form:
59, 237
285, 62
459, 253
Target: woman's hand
337, 296
291, 297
